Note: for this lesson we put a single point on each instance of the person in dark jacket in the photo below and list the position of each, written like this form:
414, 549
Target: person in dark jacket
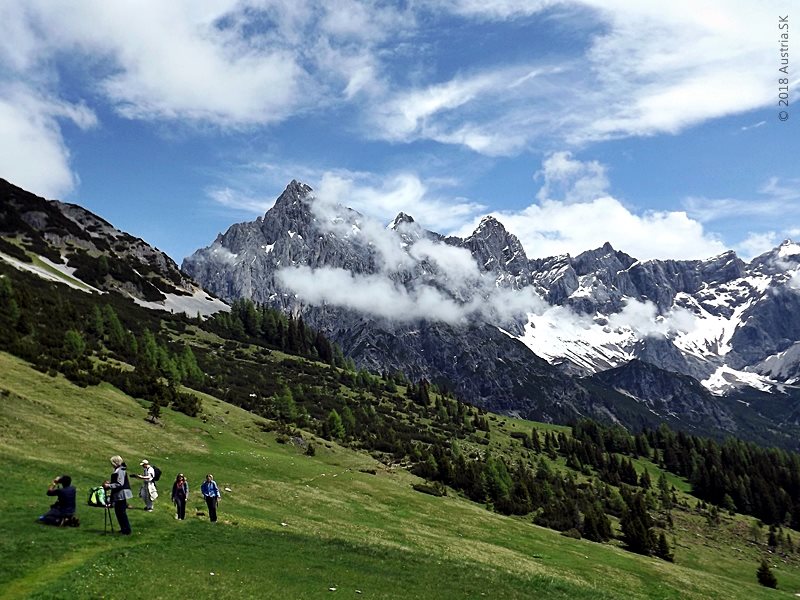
180, 494
210, 492
64, 506
120, 489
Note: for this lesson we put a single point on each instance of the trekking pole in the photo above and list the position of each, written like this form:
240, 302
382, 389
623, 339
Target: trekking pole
107, 520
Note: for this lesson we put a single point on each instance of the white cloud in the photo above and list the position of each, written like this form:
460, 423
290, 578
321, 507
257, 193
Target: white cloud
374, 295
383, 197
571, 180
757, 243
648, 69
583, 216
753, 126
405, 116
378, 295
456, 263
776, 199
33, 154
236, 200
173, 61
554, 227
229, 63
643, 319
495, 9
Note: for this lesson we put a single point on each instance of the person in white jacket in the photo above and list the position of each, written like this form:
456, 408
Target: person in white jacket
148, 491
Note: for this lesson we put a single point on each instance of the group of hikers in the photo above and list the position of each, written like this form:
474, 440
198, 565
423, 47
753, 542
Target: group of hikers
118, 492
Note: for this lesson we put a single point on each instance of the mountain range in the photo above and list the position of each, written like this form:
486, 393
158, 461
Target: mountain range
695, 341
708, 346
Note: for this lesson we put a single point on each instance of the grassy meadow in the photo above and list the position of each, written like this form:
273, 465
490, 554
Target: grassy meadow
336, 524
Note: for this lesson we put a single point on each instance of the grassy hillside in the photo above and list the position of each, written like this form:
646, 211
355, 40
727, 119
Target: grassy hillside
298, 526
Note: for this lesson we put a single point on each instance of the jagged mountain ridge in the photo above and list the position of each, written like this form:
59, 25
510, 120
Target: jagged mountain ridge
79, 248
720, 321
475, 347
733, 316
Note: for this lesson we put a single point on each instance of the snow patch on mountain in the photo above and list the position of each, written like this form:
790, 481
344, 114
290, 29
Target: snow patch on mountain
198, 303
51, 271
726, 379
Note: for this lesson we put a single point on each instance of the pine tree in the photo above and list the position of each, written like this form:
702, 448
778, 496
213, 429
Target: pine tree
637, 525
765, 575
334, 425
117, 340
74, 346
155, 411
662, 550
285, 406
348, 421
191, 373
772, 540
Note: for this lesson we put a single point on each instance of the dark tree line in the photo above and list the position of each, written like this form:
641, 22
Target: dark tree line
736, 475
261, 324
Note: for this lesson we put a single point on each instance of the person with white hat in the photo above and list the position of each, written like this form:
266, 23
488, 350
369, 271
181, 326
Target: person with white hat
148, 491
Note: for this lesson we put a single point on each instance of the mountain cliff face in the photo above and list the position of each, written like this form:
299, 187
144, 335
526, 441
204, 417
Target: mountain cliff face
76, 247
478, 315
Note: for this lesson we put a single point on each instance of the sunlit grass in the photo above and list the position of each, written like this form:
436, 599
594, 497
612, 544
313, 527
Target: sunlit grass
295, 526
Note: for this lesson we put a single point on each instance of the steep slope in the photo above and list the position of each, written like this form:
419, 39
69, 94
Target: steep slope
76, 247
293, 525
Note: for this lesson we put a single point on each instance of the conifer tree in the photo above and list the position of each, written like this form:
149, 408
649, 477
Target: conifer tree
662, 549
191, 373
74, 346
765, 575
285, 405
334, 425
348, 421
637, 525
154, 413
117, 339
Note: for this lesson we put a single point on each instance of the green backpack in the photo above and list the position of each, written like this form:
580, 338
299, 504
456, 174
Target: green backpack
98, 497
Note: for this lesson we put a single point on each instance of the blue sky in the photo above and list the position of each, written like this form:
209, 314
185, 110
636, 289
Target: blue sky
653, 127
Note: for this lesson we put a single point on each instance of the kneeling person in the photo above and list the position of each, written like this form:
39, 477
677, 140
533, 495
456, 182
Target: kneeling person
64, 506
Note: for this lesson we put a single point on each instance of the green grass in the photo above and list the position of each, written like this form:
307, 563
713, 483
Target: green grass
294, 526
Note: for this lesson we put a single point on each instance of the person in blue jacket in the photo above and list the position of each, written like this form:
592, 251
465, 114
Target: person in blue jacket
64, 506
210, 492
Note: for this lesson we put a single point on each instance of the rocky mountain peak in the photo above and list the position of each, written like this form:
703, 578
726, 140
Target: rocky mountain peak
495, 249
401, 218
784, 257
295, 191
602, 258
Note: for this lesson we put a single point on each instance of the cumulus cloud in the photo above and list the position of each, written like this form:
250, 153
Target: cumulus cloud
643, 318
166, 61
374, 295
571, 180
216, 254
383, 197
33, 153
362, 231
583, 217
756, 244
415, 276
379, 296
554, 227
